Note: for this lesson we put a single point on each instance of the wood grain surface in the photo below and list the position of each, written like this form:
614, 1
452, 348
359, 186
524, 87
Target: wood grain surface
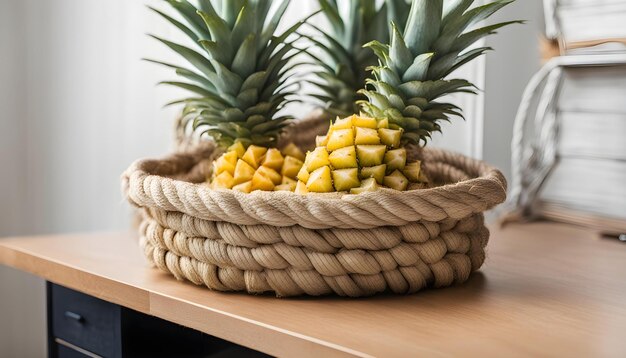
546, 290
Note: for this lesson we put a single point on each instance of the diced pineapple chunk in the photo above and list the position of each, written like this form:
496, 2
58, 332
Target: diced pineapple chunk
342, 123
412, 171
291, 166
366, 185
273, 159
223, 181
340, 138
316, 159
343, 158
285, 187
370, 155
366, 136
320, 181
243, 172
271, 174
423, 178
396, 180
377, 172
293, 150
261, 182
346, 179
301, 188
303, 174
395, 159
238, 148
383, 123
364, 122
321, 140
390, 137
254, 155
245, 187
289, 181
225, 163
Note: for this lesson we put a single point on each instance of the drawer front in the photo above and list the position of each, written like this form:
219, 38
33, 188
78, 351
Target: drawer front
86, 322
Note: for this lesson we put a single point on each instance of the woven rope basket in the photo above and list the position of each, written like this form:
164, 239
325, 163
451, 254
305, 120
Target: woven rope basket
317, 244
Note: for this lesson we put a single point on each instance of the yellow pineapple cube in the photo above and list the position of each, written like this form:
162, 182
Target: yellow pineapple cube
412, 171
261, 182
321, 140
370, 155
366, 136
395, 159
320, 180
238, 148
343, 158
366, 185
289, 181
273, 159
291, 167
396, 180
303, 174
225, 163
377, 172
340, 138
423, 178
383, 123
223, 181
254, 155
346, 179
316, 159
245, 187
271, 174
293, 151
285, 187
365, 122
342, 123
301, 188
243, 172
390, 137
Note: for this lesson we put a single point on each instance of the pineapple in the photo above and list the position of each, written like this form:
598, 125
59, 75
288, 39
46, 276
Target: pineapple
239, 80
401, 106
344, 61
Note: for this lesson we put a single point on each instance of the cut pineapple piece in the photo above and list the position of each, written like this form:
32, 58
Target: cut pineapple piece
340, 138
370, 155
254, 155
271, 174
364, 122
316, 159
320, 181
423, 178
245, 187
243, 172
273, 159
390, 137
291, 167
366, 185
395, 159
346, 179
412, 171
301, 188
396, 180
383, 123
238, 148
293, 150
343, 158
285, 187
342, 123
289, 181
377, 172
303, 174
321, 140
223, 181
225, 163
366, 136
261, 182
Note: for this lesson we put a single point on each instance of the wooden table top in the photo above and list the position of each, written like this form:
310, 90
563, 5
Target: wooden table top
546, 290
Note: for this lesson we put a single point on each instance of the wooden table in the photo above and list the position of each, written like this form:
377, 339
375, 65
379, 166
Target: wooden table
546, 290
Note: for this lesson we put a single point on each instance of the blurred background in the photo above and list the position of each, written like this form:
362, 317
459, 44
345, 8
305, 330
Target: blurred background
77, 106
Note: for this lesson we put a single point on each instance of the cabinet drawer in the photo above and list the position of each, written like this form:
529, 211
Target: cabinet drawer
86, 322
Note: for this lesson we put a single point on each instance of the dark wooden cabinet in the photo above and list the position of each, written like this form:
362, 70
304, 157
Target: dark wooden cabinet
80, 325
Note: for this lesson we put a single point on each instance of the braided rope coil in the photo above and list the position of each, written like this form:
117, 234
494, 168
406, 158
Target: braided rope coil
318, 244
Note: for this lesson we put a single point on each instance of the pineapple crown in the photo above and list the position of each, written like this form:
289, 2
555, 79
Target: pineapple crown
412, 67
344, 60
240, 68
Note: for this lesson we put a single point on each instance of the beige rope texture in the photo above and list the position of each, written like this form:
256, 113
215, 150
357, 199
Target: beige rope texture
289, 244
